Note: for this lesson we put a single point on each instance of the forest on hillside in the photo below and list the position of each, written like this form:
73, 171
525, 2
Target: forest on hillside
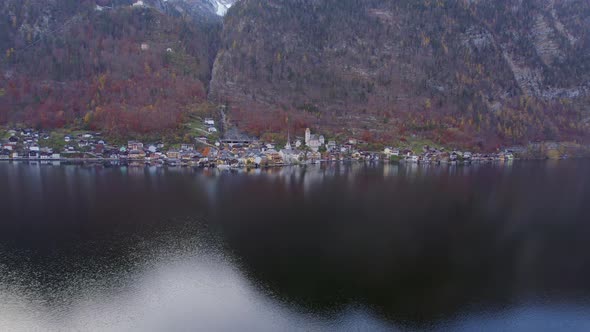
120, 71
473, 73
486, 72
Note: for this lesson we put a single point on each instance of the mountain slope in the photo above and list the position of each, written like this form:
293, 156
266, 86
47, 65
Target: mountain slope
118, 69
475, 73
480, 72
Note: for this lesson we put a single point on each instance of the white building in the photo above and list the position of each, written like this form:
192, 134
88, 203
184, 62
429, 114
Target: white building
389, 151
289, 156
288, 145
314, 142
331, 145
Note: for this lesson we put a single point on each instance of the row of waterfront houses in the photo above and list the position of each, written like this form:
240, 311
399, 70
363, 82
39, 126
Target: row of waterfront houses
430, 155
29, 144
33, 144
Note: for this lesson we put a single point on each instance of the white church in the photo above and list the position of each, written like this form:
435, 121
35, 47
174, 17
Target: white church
314, 142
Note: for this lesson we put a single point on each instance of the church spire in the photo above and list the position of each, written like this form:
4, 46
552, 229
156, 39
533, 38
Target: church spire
288, 145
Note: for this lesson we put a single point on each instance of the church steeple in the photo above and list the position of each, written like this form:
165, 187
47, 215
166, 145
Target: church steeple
288, 145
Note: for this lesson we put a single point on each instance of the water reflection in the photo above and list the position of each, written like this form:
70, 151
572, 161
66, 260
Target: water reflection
330, 247
145, 283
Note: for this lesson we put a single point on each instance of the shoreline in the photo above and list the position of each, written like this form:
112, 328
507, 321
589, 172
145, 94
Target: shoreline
111, 162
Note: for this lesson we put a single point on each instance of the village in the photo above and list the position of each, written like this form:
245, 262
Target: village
26, 144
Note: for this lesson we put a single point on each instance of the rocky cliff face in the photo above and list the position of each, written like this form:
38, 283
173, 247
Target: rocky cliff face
508, 70
479, 72
32, 19
23, 21
199, 10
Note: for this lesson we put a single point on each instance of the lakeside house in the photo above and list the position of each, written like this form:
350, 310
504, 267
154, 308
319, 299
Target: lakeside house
134, 146
187, 147
136, 154
173, 154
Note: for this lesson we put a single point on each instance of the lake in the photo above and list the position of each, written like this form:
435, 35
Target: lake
324, 248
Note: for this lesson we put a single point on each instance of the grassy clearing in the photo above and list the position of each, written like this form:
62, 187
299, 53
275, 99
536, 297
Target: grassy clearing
416, 144
55, 141
196, 126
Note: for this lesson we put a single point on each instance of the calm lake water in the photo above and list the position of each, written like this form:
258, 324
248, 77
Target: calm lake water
324, 248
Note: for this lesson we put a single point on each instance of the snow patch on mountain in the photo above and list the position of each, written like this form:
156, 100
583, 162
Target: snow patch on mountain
221, 6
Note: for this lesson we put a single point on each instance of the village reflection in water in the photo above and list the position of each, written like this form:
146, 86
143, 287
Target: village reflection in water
354, 246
